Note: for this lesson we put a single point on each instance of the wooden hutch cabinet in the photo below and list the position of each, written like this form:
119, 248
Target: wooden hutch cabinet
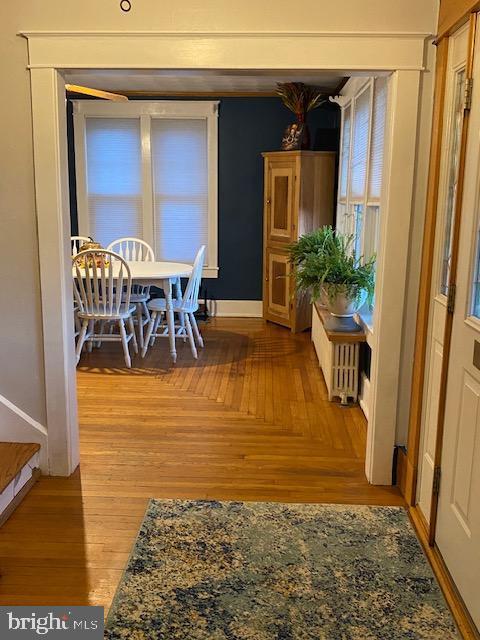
298, 197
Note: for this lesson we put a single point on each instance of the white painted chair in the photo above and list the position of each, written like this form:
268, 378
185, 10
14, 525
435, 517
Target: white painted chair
76, 321
77, 242
102, 293
136, 250
185, 307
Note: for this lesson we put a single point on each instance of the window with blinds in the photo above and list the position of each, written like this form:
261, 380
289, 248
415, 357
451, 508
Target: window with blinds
361, 130
180, 187
345, 157
114, 178
378, 139
361, 165
148, 170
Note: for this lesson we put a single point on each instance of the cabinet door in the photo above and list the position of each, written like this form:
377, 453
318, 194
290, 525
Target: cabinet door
280, 202
277, 297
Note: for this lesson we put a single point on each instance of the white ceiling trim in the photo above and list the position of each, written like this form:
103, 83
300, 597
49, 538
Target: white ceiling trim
233, 50
229, 34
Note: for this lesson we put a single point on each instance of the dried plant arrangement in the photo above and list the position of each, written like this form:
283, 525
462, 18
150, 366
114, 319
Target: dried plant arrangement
300, 98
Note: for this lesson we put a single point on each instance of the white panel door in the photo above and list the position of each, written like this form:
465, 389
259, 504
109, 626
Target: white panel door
458, 523
452, 127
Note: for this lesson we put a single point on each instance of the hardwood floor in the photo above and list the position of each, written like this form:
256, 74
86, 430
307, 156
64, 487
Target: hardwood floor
249, 420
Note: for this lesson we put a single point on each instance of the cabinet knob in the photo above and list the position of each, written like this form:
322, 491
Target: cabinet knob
268, 201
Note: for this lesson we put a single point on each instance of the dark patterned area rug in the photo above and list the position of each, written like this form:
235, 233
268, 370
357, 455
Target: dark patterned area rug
267, 571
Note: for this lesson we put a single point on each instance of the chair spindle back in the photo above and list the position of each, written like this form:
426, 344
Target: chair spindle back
132, 249
77, 242
101, 282
191, 292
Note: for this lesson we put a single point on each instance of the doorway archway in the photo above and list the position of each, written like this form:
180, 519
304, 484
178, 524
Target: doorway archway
52, 52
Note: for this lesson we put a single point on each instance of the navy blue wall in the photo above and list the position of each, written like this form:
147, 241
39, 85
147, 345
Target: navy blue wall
246, 128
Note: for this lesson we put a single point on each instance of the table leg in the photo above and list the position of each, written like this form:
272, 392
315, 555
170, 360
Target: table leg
167, 288
181, 315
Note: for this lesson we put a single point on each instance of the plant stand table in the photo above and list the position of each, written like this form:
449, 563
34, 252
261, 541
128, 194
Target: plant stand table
338, 354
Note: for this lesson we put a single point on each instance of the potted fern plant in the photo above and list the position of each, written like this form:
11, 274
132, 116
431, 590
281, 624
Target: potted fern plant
325, 264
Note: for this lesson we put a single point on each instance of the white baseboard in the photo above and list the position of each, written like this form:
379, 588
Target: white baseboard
18, 426
236, 308
364, 395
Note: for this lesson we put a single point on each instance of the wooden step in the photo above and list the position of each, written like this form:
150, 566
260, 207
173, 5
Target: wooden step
18, 473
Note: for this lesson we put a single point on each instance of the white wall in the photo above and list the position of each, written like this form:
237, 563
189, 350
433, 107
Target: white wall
21, 371
218, 15
21, 355
416, 238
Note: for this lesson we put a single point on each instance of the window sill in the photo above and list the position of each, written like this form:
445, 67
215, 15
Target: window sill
473, 322
210, 272
365, 319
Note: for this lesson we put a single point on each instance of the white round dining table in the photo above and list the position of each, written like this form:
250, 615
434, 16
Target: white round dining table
162, 275
151, 273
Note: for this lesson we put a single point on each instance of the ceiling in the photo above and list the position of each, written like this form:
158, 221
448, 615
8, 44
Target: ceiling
193, 81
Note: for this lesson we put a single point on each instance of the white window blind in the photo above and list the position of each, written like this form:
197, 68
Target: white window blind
180, 187
361, 123
378, 138
344, 161
114, 178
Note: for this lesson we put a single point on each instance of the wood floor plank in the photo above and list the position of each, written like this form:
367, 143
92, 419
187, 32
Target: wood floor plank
248, 420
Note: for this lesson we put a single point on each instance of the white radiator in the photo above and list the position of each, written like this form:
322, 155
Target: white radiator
339, 362
345, 370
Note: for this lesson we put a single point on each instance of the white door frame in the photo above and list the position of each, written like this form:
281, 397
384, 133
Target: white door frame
52, 52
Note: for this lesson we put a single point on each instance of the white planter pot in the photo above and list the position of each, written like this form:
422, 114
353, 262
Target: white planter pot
343, 306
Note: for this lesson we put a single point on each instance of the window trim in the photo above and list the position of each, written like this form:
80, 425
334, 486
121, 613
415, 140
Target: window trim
145, 111
344, 198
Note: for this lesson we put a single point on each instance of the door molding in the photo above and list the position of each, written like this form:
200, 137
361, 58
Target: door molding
454, 13
427, 271
53, 224
424, 410
452, 596
52, 52
457, 220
